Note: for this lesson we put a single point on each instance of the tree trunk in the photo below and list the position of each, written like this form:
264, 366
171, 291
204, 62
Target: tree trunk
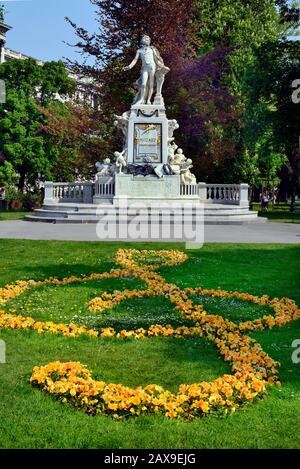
21, 183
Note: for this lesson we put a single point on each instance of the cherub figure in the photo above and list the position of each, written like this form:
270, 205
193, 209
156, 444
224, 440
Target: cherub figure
120, 161
186, 176
172, 149
172, 126
104, 169
176, 160
121, 123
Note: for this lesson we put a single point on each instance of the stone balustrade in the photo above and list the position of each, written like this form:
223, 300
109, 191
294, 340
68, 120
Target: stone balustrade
104, 188
233, 194
65, 192
188, 190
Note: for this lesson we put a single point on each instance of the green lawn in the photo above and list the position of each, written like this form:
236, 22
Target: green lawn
13, 215
281, 213
31, 419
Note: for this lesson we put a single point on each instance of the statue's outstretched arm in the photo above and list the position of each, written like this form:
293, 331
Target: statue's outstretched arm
133, 63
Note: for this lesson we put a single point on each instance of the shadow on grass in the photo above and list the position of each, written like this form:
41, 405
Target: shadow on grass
277, 343
285, 217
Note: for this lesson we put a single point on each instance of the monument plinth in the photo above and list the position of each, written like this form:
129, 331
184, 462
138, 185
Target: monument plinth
147, 135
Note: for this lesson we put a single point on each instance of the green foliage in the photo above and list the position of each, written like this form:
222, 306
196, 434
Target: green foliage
272, 126
20, 142
76, 137
243, 24
31, 201
41, 82
7, 173
258, 64
29, 86
11, 193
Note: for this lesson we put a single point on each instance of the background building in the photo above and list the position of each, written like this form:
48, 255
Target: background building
84, 89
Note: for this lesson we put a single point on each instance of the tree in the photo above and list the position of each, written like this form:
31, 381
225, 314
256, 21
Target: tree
195, 92
219, 89
7, 174
72, 133
40, 82
121, 25
208, 114
285, 60
254, 28
29, 85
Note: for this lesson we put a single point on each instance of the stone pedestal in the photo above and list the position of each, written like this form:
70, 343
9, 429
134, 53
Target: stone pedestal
150, 191
148, 135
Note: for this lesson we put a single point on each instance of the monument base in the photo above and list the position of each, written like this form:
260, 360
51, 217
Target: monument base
149, 187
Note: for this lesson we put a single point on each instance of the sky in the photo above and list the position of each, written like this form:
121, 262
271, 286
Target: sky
39, 27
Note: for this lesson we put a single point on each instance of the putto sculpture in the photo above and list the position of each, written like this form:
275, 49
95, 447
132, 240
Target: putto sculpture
105, 168
153, 69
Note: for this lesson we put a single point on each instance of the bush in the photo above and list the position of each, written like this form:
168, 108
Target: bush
12, 194
16, 200
31, 201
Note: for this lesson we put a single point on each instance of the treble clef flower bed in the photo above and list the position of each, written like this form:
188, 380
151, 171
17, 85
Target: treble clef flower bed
253, 371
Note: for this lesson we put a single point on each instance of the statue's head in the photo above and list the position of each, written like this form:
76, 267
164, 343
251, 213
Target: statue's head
145, 40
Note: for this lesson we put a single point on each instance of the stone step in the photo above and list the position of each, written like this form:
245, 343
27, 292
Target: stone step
92, 220
133, 214
112, 209
213, 214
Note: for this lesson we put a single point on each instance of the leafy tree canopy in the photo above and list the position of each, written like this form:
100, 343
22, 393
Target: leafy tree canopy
29, 85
